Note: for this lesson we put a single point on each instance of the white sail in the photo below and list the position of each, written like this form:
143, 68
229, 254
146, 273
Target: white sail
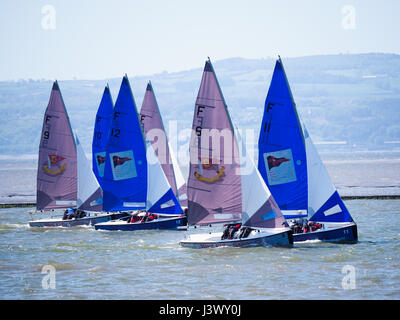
89, 191
180, 180
320, 187
158, 187
324, 202
258, 205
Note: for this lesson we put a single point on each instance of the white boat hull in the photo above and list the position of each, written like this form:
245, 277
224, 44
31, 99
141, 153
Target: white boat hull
173, 223
88, 220
263, 238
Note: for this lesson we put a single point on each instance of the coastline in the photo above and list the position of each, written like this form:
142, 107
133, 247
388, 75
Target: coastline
369, 197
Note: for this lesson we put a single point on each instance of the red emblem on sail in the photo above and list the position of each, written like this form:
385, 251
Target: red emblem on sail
101, 160
119, 161
209, 164
52, 166
55, 158
275, 162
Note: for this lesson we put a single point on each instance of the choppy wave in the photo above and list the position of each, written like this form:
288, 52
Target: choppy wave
131, 265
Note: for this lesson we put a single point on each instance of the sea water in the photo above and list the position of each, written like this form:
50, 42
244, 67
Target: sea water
83, 263
358, 173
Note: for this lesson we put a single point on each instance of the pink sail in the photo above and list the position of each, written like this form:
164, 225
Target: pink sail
153, 129
57, 164
214, 183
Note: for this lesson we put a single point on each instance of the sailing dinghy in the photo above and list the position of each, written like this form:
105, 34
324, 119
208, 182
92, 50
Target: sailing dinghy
291, 167
133, 177
219, 190
64, 178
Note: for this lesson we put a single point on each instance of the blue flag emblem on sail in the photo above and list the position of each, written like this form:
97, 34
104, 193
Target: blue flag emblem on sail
123, 165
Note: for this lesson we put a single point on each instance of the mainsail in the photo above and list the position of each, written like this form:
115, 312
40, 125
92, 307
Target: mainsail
125, 175
153, 129
57, 163
282, 156
90, 195
101, 132
289, 162
214, 182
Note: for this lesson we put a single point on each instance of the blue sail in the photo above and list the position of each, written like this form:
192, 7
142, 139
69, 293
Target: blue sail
167, 204
333, 210
100, 135
125, 174
289, 161
282, 155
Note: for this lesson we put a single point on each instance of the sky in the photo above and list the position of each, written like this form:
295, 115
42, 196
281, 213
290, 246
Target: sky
96, 39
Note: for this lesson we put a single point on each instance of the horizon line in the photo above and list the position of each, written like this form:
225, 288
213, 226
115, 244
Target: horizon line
163, 72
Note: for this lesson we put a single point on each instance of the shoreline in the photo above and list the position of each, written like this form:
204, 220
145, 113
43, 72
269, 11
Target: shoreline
381, 197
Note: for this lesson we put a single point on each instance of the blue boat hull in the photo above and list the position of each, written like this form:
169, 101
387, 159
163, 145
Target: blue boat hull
91, 220
341, 234
178, 223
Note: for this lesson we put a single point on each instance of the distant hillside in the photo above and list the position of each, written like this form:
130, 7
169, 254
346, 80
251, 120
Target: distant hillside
352, 98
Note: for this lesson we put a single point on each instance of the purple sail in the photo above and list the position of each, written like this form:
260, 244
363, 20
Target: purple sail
153, 129
57, 163
214, 183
